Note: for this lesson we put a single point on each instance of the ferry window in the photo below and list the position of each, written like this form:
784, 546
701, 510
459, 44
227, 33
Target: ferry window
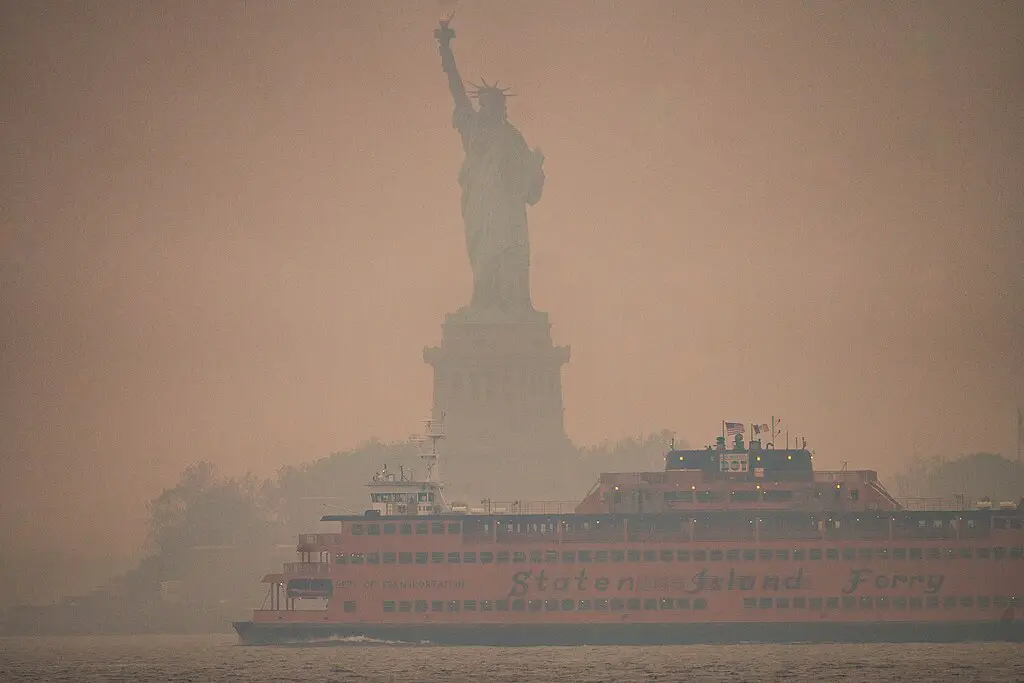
849, 554
388, 558
764, 603
469, 605
519, 557
585, 556
633, 603
356, 558
650, 556
421, 606
357, 529
373, 558
866, 554
683, 603
815, 554
983, 553
389, 605
633, 555
781, 554
454, 558
551, 605
437, 606
854, 495
933, 553
437, 558
883, 553
949, 602
404, 558
765, 555
534, 605
932, 602
340, 558
734, 555
536, 556
486, 606
422, 528
700, 556
454, 528
349, 606
744, 496
600, 556
453, 605
405, 529
568, 605
373, 529
967, 601
501, 605
998, 553
650, 603
750, 603
1000, 601
551, 556
899, 553
700, 603
899, 603
601, 604
798, 555
777, 496
502, 557
437, 527
683, 555
668, 555
486, 558
583, 605
716, 555
815, 603
389, 529
915, 603
832, 603
832, 554
965, 553
708, 497
666, 603
781, 603
799, 603
849, 602
865, 602
568, 556
405, 606
421, 558
469, 558
983, 603
881, 602
1017, 552
618, 604
948, 553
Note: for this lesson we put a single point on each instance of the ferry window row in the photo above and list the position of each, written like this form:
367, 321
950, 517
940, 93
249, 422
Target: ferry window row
669, 555
883, 602
407, 528
552, 605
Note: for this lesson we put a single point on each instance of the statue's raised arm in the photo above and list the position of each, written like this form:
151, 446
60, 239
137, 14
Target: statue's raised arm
444, 35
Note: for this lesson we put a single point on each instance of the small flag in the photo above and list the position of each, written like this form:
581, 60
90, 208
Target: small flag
733, 428
761, 428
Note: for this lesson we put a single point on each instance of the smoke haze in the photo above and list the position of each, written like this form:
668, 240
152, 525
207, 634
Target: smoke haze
229, 228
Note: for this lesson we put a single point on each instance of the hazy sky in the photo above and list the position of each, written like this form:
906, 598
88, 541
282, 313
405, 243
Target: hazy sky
229, 228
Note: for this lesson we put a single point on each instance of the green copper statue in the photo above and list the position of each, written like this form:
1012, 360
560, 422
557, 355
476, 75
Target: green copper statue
499, 177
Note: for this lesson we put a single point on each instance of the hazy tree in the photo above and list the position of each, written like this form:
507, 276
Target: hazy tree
975, 476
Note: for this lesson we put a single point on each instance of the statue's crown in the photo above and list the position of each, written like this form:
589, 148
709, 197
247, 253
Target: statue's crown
488, 90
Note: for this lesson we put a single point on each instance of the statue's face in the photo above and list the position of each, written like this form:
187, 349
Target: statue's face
493, 105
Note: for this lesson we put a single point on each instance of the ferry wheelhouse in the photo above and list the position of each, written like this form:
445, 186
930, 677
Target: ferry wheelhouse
726, 544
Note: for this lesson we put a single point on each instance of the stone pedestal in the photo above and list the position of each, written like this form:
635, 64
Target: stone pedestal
498, 378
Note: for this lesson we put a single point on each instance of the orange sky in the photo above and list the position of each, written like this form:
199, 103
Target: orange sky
229, 228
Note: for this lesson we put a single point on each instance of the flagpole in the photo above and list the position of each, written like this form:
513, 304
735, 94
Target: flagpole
1020, 432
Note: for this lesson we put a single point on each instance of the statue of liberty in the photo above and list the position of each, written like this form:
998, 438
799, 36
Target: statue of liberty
499, 177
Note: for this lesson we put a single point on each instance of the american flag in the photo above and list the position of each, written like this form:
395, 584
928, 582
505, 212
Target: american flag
734, 428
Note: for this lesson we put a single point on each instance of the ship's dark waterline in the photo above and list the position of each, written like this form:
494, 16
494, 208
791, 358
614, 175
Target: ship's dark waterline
218, 658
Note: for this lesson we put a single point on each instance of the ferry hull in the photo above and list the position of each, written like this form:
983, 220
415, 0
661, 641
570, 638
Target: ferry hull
523, 635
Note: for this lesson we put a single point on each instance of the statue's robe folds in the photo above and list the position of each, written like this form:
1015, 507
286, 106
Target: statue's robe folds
499, 177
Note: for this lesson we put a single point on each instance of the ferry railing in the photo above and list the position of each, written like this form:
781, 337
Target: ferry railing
308, 568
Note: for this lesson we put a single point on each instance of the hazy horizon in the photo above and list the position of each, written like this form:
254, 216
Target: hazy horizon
230, 228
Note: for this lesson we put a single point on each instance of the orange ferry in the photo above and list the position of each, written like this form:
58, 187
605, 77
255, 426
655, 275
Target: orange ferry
727, 544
